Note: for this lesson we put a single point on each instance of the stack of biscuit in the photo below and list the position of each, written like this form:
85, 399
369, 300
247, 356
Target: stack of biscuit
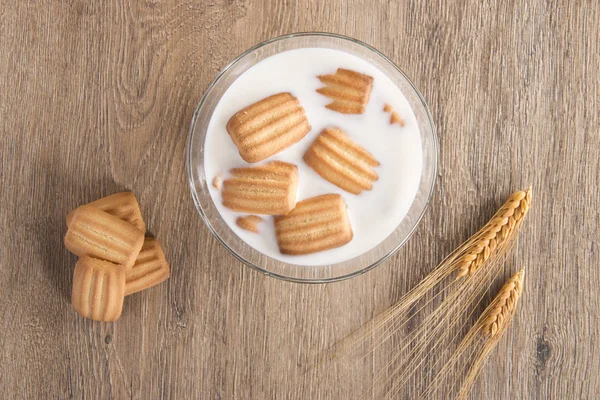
116, 259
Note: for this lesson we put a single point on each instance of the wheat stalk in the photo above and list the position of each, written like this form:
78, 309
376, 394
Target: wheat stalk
479, 341
489, 244
488, 247
494, 321
474, 262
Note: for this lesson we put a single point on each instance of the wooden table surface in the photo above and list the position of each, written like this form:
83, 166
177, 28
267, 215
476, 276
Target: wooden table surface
97, 97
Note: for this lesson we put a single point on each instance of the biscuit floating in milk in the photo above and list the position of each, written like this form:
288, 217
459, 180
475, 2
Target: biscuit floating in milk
268, 126
123, 205
98, 289
265, 189
150, 268
93, 232
249, 223
316, 224
349, 90
335, 157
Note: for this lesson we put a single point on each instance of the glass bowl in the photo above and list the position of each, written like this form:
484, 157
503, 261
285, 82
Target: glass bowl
240, 249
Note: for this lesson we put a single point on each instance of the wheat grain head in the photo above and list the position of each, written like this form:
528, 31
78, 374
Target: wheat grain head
494, 321
498, 315
496, 235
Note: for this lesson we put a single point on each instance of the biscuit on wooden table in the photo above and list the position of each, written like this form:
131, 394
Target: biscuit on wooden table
150, 268
98, 289
123, 205
95, 233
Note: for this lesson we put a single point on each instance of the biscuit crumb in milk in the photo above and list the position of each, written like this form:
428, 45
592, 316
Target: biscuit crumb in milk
395, 118
249, 223
217, 182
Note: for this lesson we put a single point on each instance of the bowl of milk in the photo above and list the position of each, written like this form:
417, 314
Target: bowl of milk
383, 218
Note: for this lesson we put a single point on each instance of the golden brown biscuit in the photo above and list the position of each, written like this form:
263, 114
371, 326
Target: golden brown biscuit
335, 157
316, 224
268, 126
387, 108
249, 223
266, 189
95, 233
150, 268
349, 90
123, 205
98, 289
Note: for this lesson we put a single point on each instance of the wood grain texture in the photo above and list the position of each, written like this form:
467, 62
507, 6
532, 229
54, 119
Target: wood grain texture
97, 97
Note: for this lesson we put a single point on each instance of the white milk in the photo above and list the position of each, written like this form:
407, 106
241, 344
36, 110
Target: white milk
374, 214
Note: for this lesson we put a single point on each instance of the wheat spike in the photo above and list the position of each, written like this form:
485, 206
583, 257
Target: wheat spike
470, 355
500, 312
494, 321
495, 233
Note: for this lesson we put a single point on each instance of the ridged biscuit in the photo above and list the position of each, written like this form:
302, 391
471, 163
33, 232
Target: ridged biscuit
349, 90
95, 233
249, 223
123, 205
316, 224
150, 268
335, 157
98, 289
266, 189
268, 126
